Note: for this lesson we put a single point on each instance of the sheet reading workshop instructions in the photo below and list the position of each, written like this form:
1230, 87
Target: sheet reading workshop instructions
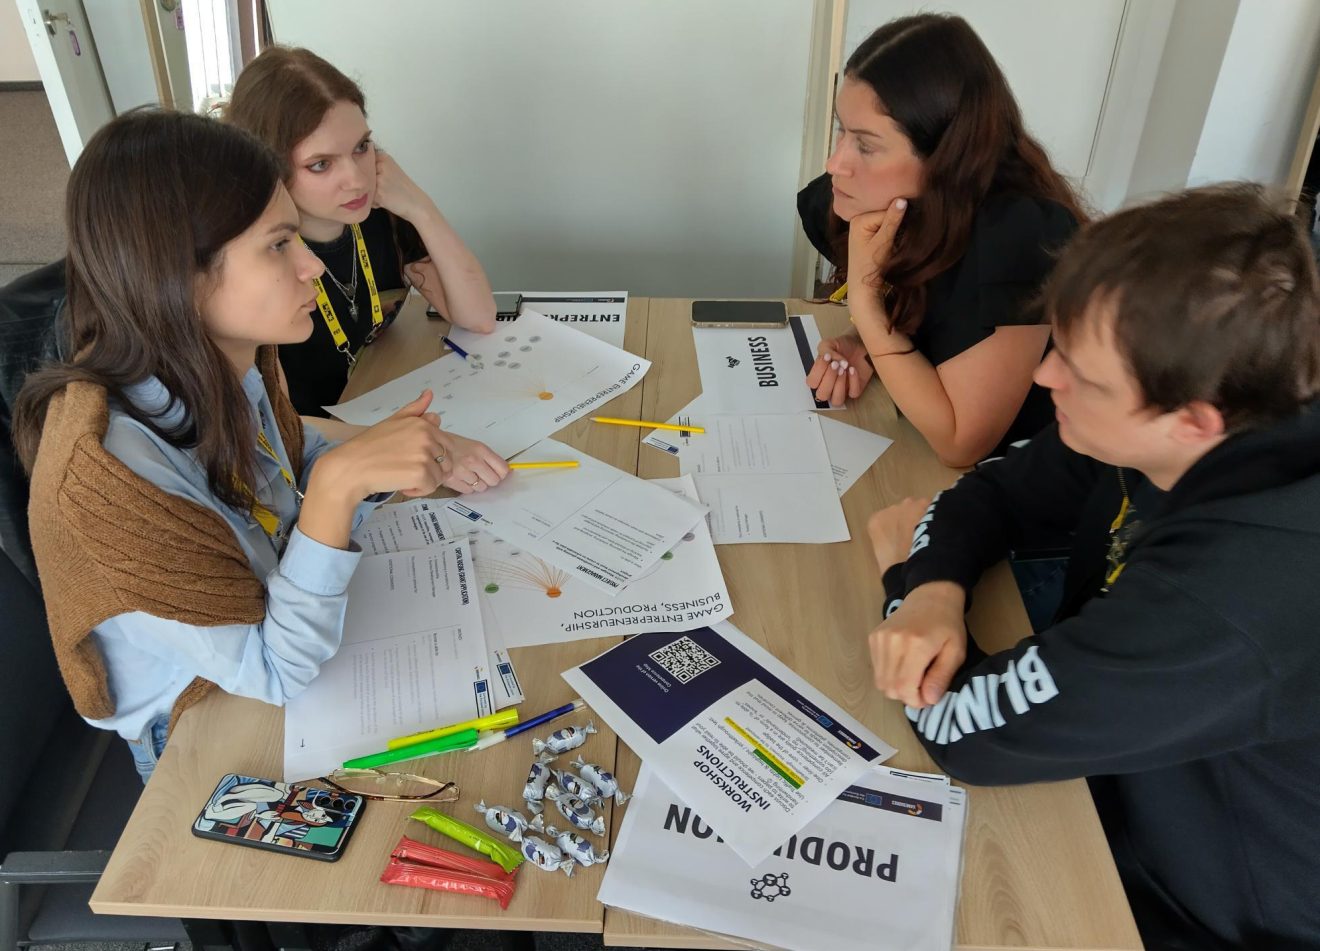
739, 737
413, 657
766, 479
602, 525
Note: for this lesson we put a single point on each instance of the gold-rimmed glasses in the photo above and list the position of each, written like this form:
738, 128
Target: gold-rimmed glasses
391, 787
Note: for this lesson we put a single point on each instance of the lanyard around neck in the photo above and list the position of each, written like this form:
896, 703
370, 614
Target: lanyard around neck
328, 312
268, 520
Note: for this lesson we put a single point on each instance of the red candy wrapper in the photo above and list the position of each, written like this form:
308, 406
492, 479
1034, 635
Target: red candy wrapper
426, 866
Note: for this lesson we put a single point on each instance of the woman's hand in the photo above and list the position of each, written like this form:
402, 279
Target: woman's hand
405, 453
396, 192
472, 466
870, 244
841, 371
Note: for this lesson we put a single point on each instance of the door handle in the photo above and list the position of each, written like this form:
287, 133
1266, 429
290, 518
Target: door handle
50, 19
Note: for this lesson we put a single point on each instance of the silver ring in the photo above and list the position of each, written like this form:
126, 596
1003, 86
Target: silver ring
474, 484
440, 458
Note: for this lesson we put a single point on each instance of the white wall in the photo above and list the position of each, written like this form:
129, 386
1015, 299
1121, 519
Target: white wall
595, 144
1056, 57
16, 62
1255, 115
1188, 73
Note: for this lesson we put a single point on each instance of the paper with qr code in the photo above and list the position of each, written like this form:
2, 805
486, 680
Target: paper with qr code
747, 743
879, 868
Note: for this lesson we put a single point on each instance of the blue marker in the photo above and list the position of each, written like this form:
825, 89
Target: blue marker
455, 347
487, 740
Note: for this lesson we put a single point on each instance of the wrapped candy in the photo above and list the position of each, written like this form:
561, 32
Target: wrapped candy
426, 866
546, 857
506, 856
578, 812
572, 844
512, 823
602, 779
575, 786
561, 741
537, 778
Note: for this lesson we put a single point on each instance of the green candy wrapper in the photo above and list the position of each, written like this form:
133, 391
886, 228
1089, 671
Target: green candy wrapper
500, 852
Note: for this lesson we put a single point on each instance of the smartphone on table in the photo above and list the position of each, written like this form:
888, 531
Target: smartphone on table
740, 314
296, 820
507, 305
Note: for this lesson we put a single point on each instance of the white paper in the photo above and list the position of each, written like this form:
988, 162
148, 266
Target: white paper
852, 450
413, 658
758, 371
422, 523
750, 745
867, 874
602, 314
518, 385
766, 479
525, 601
601, 525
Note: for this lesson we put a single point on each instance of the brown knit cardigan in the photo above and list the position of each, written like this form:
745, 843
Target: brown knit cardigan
108, 542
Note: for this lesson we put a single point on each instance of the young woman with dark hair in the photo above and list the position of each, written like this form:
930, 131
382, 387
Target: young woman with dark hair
188, 530
944, 213
373, 226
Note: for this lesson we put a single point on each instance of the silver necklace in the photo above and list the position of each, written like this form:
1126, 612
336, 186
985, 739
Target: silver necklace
349, 292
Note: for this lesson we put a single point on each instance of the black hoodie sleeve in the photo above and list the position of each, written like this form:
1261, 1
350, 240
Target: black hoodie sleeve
1035, 491
1146, 677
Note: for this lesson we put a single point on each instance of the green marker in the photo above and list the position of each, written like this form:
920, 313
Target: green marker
445, 744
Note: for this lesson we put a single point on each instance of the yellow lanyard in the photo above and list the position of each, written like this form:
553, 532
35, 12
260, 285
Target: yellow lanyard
268, 520
328, 312
1118, 555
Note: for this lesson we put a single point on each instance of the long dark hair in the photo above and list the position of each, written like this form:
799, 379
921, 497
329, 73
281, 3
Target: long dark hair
152, 201
934, 77
282, 96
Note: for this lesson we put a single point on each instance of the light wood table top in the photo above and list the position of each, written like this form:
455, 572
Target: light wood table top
1037, 870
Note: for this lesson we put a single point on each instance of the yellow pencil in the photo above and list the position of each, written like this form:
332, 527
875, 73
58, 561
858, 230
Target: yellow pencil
570, 464
492, 721
646, 424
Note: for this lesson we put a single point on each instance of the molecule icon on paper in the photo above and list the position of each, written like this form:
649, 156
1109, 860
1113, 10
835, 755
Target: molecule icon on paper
771, 886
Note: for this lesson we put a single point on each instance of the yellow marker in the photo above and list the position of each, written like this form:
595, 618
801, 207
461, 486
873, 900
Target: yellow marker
645, 424
495, 721
570, 464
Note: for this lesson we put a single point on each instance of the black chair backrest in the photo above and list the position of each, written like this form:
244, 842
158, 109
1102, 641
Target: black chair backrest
33, 699
30, 333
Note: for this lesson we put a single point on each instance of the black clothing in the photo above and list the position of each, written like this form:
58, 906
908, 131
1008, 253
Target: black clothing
1187, 689
1009, 255
316, 371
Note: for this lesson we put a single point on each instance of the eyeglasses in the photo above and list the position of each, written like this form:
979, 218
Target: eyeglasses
391, 787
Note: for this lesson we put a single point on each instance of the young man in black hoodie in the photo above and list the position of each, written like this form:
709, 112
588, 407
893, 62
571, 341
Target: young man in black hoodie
1182, 673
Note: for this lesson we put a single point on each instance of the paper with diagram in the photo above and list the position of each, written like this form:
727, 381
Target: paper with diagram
600, 524
517, 385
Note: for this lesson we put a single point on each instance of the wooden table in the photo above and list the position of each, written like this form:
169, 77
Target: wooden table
1037, 871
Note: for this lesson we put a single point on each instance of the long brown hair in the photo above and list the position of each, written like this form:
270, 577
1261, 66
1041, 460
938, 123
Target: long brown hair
152, 201
934, 77
281, 98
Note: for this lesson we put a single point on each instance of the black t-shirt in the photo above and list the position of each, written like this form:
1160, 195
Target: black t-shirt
1009, 254
316, 371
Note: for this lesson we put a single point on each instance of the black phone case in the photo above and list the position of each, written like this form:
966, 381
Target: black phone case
739, 313
295, 820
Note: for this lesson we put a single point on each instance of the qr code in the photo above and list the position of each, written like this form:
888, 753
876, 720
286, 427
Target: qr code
684, 659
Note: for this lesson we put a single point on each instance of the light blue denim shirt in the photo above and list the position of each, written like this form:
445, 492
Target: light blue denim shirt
149, 660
